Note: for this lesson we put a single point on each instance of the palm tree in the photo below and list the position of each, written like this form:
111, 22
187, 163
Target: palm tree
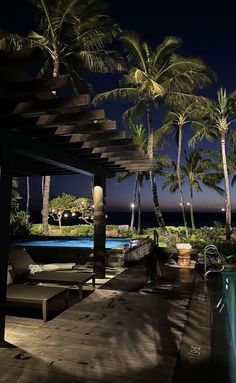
154, 77
140, 138
218, 115
177, 120
197, 170
72, 34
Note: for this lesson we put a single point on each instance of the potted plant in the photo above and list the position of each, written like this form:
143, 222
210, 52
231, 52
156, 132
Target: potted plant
184, 254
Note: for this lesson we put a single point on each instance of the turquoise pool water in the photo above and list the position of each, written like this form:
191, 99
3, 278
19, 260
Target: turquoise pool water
229, 281
81, 242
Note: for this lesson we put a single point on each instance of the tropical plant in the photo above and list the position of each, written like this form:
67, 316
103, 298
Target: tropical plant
215, 120
19, 219
199, 170
196, 171
154, 77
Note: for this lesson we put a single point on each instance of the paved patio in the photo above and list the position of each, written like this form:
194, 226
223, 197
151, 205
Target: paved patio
124, 332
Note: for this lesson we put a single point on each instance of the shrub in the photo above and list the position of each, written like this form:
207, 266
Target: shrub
85, 230
36, 229
19, 225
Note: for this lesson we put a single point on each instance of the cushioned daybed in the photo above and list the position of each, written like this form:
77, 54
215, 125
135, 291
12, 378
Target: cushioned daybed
22, 262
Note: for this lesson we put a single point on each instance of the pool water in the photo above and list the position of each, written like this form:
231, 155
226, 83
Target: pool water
229, 281
81, 242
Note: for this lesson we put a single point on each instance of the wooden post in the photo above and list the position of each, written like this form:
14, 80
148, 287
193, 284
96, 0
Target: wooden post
99, 192
155, 238
5, 208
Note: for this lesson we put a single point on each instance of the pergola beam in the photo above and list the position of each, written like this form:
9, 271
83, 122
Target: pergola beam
125, 153
54, 105
52, 120
39, 88
77, 140
119, 148
108, 142
50, 155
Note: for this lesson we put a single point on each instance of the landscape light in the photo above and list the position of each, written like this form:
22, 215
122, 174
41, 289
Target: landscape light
188, 203
66, 215
222, 209
73, 214
132, 205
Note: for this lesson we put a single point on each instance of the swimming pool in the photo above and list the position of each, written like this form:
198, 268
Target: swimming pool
79, 242
229, 282
119, 251
222, 289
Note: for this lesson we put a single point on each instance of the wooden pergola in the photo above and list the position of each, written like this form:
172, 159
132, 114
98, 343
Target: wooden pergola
44, 132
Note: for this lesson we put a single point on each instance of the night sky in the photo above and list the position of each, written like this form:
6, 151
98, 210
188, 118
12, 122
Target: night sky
208, 31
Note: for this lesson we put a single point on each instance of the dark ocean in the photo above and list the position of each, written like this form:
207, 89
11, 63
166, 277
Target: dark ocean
148, 219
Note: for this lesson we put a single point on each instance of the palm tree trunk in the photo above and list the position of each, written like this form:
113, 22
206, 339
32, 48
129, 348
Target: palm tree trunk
156, 204
46, 194
27, 195
179, 180
139, 208
55, 65
227, 189
133, 203
191, 208
47, 179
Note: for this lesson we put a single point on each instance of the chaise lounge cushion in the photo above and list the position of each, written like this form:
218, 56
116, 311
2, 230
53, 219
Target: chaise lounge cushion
24, 265
50, 267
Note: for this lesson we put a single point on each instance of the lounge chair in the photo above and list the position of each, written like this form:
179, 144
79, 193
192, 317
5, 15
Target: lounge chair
22, 262
31, 296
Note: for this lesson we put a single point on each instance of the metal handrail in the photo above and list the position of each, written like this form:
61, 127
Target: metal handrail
211, 252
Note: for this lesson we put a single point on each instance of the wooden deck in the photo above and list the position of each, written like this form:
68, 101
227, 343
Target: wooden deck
115, 335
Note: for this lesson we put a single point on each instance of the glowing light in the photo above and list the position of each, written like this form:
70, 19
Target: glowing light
73, 214
188, 203
222, 209
65, 215
132, 205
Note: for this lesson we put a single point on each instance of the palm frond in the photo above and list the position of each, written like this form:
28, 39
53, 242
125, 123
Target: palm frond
102, 61
133, 46
129, 94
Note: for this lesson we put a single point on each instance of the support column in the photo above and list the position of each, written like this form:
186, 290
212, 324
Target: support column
5, 208
99, 193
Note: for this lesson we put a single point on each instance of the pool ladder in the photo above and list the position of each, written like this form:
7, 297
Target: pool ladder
213, 260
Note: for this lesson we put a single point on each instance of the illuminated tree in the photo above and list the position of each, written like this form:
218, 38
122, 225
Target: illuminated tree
60, 205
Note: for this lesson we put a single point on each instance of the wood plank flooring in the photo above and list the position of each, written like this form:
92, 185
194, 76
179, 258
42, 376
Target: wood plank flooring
111, 336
